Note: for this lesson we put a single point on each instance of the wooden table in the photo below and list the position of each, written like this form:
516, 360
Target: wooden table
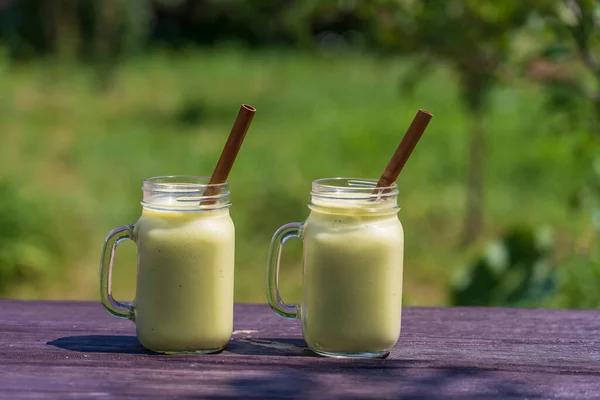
75, 350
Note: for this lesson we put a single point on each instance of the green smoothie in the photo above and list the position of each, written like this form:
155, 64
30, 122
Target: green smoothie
352, 289
184, 299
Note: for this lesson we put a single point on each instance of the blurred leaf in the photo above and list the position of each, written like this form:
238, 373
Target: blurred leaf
579, 279
514, 271
556, 51
29, 249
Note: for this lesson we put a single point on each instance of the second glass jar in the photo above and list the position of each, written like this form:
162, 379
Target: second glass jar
352, 269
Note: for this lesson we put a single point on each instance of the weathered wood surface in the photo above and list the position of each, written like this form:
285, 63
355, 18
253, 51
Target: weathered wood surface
69, 350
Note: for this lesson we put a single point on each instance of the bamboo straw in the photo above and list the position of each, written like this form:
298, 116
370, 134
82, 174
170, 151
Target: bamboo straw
231, 150
404, 150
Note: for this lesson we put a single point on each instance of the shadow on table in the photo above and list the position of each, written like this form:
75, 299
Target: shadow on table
131, 345
318, 377
100, 344
269, 347
395, 379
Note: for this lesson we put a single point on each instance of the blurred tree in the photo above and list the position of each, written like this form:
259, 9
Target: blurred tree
474, 39
342, 23
179, 23
107, 28
98, 31
575, 35
571, 55
61, 27
121, 27
513, 271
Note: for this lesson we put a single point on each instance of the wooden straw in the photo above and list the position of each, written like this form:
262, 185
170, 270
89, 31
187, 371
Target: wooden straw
404, 150
231, 150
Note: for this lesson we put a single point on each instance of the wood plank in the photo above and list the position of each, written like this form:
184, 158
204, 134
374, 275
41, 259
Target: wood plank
76, 350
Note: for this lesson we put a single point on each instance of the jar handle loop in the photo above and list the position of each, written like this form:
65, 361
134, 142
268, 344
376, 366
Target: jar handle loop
288, 231
113, 306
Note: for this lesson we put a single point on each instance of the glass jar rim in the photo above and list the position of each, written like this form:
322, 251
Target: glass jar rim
179, 183
184, 192
348, 186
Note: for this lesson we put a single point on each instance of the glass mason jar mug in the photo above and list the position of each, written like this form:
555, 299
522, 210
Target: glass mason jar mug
353, 247
185, 242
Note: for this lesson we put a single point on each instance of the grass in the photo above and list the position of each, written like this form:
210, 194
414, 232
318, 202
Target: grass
82, 154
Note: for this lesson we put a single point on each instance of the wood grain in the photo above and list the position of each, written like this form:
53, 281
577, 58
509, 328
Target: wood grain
75, 350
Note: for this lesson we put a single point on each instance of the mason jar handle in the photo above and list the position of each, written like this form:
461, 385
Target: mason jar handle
291, 230
113, 306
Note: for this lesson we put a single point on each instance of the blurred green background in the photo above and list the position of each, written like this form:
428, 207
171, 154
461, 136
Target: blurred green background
500, 200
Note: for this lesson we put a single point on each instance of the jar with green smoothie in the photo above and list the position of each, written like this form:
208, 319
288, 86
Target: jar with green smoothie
353, 246
185, 242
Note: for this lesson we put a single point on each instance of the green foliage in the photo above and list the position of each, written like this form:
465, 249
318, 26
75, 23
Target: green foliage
83, 29
30, 250
572, 46
318, 116
331, 113
579, 284
513, 271
580, 274
572, 36
472, 37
